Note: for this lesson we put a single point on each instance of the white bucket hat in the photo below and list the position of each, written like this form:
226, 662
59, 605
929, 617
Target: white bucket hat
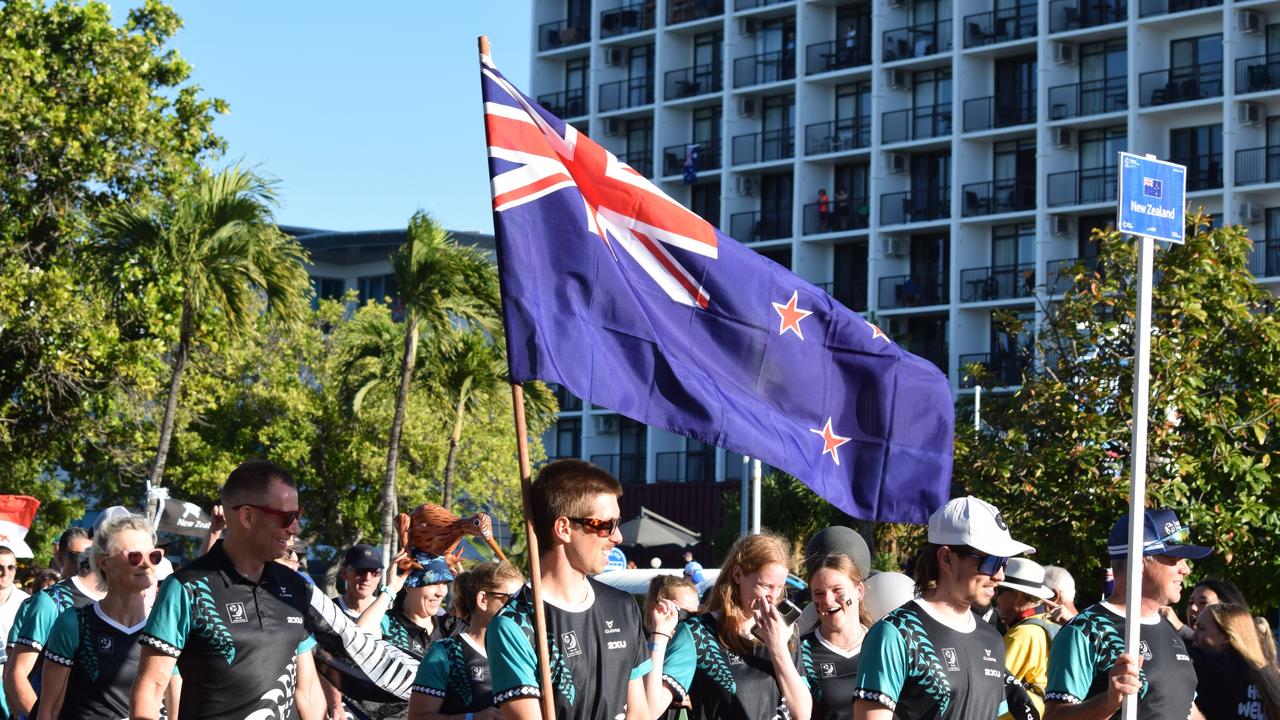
1026, 576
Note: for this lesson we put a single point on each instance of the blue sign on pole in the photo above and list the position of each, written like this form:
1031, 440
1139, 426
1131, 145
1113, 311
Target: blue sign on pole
1153, 198
617, 560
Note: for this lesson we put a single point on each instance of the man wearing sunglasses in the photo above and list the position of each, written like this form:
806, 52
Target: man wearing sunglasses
1089, 672
594, 633
240, 627
933, 657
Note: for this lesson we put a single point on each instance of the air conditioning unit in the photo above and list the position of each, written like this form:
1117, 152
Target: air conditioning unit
1249, 113
898, 163
1060, 225
606, 424
897, 79
614, 57
747, 185
895, 246
1064, 53
1250, 21
614, 127
1249, 213
748, 26
1062, 137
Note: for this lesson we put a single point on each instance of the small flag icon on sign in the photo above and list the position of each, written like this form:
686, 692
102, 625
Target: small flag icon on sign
1151, 188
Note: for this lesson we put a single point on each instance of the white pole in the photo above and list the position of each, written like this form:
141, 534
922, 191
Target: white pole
755, 495
977, 407
744, 514
1138, 466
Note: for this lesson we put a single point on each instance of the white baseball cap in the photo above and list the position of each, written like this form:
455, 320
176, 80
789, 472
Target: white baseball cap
975, 523
1026, 576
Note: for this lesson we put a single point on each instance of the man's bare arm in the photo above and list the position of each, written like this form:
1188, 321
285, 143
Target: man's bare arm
155, 669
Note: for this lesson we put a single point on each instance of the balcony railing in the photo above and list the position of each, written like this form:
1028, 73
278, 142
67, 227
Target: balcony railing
837, 135
1181, 84
926, 121
1264, 259
1000, 26
899, 291
764, 146
764, 68
622, 94
749, 4
852, 214
1078, 14
915, 206
917, 41
640, 160
1091, 97
997, 282
1257, 73
1060, 273
680, 11
985, 113
1151, 8
627, 467
566, 103
563, 33
1006, 368
568, 401
693, 81
999, 196
698, 466
760, 225
836, 55
1258, 165
1204, 172
853, 293
1082, 187
627, 19
674, 156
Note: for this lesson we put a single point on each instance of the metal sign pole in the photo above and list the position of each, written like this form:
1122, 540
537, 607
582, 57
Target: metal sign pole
755, 496
977, 407
744, 524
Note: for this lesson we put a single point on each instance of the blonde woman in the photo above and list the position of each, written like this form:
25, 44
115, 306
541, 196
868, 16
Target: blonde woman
1235, 678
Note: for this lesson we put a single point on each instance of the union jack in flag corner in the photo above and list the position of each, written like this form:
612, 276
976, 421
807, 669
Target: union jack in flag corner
634, 303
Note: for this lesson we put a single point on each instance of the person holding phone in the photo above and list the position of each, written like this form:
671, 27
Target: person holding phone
740, 660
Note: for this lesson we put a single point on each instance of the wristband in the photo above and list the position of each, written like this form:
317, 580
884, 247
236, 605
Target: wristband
655, 632
387, 591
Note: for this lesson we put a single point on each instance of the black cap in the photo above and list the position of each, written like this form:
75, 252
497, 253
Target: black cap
841, 540
363, 557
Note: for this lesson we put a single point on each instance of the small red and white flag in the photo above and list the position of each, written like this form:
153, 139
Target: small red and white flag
16, 514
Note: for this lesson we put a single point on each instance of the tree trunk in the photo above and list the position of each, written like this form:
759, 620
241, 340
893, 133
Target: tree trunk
171, 405
389, 507
454, 438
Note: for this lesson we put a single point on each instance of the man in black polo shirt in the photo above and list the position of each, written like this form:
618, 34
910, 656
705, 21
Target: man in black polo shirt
239, 625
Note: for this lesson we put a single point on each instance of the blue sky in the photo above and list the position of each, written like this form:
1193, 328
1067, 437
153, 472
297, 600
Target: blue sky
364, 112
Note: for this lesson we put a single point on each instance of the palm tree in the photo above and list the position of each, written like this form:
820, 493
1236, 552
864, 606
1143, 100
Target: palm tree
217, 242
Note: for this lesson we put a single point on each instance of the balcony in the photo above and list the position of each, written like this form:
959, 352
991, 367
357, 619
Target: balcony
764, 68
633, 18
563, 33
567, 401
989, 28
1151, 8
1061, 273
1005, 368
1257, 74
835, 55
997, 282
673, 157
1067, 15
985, 113
1258, 165
916, 41
999, 196
567, 103
920, 123
681, 11
1183, 84
640, 160
623, 94
1264, 259
752, 4
921, 289
1082, 187
915, 206
627, 467
764, 146
852, 214
761, 225
837, 136
1091, 97
693, 81
1204, 172
682, 467
852, 293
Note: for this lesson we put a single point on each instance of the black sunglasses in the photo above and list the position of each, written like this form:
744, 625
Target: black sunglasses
987, 564
603, 528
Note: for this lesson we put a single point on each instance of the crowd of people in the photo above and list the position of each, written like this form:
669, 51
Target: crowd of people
976, 631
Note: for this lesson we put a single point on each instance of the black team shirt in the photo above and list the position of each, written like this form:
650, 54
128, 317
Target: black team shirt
832, 674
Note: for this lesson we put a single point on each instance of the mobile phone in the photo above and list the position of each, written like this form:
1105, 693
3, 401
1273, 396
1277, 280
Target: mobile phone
789, 612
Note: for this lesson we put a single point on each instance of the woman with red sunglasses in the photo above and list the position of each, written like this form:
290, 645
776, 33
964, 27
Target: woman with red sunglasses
91, 656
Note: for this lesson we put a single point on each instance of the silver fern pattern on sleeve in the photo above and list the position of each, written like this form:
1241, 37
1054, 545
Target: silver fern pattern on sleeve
385, 665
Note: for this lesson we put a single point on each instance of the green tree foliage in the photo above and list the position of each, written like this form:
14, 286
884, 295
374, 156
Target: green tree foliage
1054, 455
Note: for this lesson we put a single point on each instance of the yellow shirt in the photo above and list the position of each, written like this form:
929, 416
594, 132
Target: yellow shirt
1026, 653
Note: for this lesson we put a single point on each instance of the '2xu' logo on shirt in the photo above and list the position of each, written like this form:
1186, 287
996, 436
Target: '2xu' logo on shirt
953, 660
570, 642
236, 613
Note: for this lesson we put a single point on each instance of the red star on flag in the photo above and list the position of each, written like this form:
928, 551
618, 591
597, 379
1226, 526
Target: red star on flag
830, 440
876, 332
789, 316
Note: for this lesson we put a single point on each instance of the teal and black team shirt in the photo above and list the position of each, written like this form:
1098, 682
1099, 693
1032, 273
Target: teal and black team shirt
237, 641
920, 667
597, 647
456, 670
1087, 648
719, 682
832, 674
103, 659
38, 613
